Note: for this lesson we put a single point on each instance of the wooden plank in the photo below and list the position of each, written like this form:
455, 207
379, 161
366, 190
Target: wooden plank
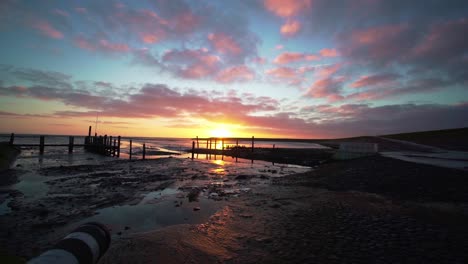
144, 150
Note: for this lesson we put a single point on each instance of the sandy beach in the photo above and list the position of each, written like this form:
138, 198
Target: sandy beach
174, 210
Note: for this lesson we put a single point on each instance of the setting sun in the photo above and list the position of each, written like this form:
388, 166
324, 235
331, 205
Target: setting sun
220, 132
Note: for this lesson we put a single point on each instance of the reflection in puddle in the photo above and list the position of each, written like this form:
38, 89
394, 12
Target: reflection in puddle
156, 210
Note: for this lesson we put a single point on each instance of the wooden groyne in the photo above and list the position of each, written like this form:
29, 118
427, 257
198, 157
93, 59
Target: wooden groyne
231, 147
213, 142
103, 145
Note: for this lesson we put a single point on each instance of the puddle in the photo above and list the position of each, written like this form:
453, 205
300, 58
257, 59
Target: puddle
4, 208
156, 210
32, 186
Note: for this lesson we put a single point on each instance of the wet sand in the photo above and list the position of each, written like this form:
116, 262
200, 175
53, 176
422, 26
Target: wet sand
368, 210
128, 196
343, 212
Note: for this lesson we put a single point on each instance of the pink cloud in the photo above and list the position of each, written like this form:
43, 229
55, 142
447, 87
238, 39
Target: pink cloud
326, 71
444, 40
236, 73
282, 72
48, 30
259, 60
156, 100
290, 28
113, 47
279, 47
328, 88
411, 87
102, 45
289, 75
83, 43
185, 22
224, 43
373, 80
377, 34
287, 8
306, 69
328, 52
382, 43
289, 57
150, 38
192, 64
149, 27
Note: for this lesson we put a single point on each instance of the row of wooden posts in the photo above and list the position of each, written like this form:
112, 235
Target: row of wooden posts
110, 146
71, 144
209, 144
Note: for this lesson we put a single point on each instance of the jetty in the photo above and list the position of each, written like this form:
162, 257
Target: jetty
245, 148
102, 144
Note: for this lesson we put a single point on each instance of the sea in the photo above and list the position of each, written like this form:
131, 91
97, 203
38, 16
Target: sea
173, 147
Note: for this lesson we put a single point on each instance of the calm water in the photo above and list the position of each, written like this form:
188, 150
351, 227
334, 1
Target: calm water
176, 146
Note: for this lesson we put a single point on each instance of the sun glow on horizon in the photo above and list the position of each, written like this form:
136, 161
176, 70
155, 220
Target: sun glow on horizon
220, 132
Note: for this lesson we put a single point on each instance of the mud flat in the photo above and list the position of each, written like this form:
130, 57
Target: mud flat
128, 196
349, 211
368, 210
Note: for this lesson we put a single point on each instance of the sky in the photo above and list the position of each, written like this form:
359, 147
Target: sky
264, 68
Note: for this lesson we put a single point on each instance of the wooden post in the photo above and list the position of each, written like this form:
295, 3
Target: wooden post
109, 150
144, 150
210, 143
99, 146
198, 145
216, 144
222, 144
237, 148
206, 143
118, 146
12, 138
114, 148
130, 152
193, 149
252, 143
71, 140
41, 145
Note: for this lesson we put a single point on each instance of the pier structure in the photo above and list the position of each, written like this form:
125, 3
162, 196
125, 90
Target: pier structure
103, 145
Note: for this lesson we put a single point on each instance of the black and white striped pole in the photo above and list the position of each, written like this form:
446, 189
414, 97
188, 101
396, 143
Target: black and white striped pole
85, 245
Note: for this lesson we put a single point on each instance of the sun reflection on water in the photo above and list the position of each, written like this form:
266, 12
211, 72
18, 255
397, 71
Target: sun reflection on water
219, 170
